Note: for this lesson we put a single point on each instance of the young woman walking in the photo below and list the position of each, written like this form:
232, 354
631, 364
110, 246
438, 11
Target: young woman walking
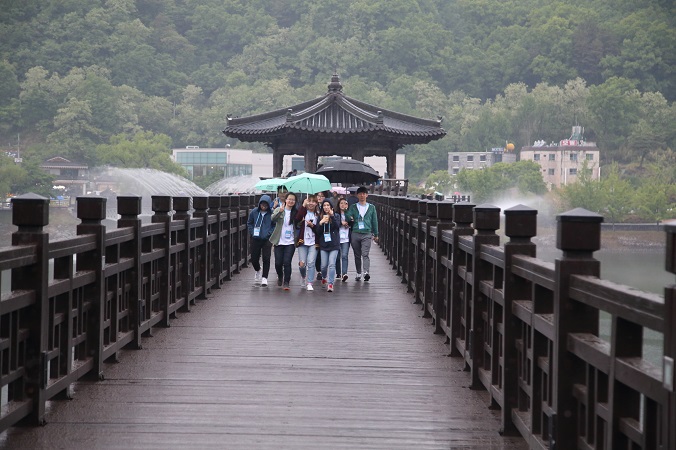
284, 239
307, 218
344, 233
329, 243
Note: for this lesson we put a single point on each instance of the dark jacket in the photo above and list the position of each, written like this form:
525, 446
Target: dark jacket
261, 220
332, 227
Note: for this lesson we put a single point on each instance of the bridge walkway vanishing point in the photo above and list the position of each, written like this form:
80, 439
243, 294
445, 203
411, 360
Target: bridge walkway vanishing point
253, 367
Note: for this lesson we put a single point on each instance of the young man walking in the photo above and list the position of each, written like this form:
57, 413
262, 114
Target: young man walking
364, 221
260, 228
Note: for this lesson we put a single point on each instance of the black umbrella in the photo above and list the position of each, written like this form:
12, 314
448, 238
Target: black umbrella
349, 171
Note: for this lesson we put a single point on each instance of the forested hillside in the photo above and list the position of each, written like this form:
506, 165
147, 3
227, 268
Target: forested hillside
80, 78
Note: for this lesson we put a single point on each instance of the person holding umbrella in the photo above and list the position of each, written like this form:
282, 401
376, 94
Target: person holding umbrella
306, 222
364, 221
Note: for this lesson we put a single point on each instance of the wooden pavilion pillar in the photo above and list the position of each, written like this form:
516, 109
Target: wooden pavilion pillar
311, 160
358, 154
277, 163
391, 164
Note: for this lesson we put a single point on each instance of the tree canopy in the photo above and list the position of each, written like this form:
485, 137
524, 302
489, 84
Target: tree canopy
79, 74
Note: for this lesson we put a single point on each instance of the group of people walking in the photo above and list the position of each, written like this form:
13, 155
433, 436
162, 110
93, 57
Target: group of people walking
321, 229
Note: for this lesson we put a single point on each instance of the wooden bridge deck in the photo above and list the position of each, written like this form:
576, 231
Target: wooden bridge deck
255, 367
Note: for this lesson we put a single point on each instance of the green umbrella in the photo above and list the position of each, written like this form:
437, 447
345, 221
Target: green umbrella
307, 183
271, 184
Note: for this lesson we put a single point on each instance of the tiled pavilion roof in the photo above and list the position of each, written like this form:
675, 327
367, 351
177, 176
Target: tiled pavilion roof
331, 115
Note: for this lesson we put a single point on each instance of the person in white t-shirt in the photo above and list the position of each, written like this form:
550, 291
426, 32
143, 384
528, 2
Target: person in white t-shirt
307, 244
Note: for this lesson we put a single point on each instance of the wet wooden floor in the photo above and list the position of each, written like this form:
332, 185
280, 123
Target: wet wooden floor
255, 367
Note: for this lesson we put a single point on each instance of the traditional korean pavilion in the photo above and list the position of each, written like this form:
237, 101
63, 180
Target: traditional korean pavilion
334, 124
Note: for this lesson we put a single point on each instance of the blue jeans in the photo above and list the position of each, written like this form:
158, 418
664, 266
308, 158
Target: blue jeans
307, 255
341, 262
329, 259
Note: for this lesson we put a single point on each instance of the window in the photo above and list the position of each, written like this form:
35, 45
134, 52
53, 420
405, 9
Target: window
455, 170
482, 158
573, 157
470, 158
456, 158
590, 157
550, 172
536, 157
552, 157
572, 171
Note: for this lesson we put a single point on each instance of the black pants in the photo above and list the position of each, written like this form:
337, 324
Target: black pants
259, 246
283, 257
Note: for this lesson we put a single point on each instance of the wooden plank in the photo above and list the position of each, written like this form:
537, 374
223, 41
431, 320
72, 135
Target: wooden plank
253, 367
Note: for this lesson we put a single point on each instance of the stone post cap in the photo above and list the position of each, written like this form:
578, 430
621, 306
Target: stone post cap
30, 210
200, 202
91, 207
129, 205
521, 221
161, 203
463, 212
578, 230
486, 217
182, 203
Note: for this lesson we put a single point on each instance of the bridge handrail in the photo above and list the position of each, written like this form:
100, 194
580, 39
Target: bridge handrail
529, 331
74, 303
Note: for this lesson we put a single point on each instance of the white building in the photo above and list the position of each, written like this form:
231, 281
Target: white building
232, 162
561, 162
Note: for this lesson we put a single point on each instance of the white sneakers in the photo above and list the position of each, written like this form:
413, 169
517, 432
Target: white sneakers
258, 277
309, 287
358, 277
264, 281
303, 282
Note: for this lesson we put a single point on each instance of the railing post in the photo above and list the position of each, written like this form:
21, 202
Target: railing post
428, 261
578, 235
419, 255
161, 205
669, 359
445, 217
462, 216
409, 249
520, 228
91, 210
30, 212
182, 213
200, 204
226, 238
215, 256
129, 208
486, 223
237, 236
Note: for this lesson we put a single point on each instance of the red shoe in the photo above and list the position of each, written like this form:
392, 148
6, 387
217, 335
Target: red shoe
323, 281
330, 288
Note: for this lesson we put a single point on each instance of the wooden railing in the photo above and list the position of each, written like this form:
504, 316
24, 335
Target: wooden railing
529, 331
74, 303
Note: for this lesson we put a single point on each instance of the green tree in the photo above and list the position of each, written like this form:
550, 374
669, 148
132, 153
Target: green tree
495, 182
143, 150
440, 181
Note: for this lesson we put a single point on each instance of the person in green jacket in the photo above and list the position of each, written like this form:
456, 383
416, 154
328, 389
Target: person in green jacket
364, 222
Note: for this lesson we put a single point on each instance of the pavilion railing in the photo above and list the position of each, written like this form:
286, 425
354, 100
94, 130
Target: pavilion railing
534, 334
74, 303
